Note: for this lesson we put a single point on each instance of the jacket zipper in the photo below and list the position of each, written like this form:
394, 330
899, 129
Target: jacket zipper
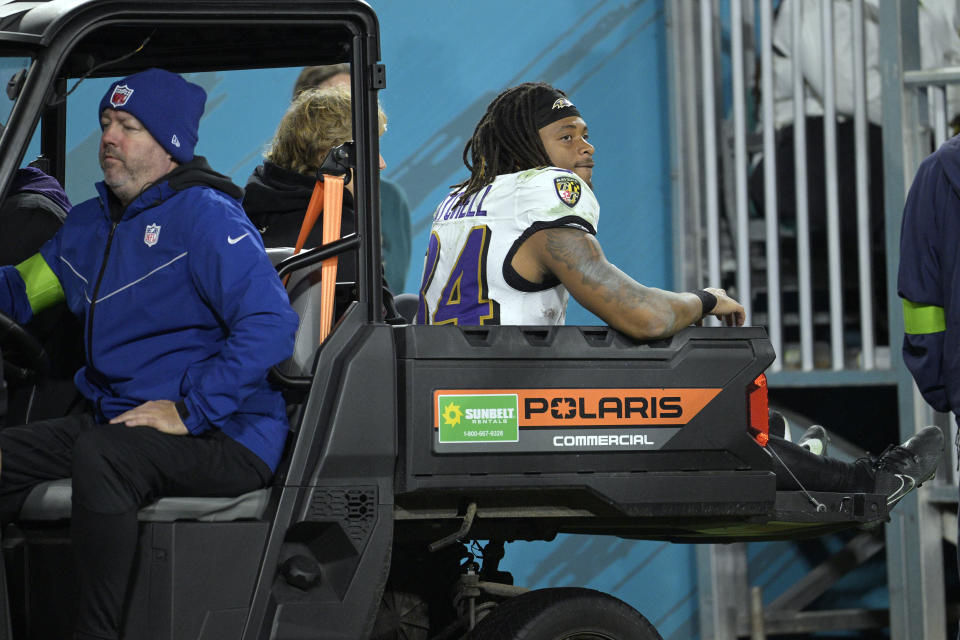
96, 290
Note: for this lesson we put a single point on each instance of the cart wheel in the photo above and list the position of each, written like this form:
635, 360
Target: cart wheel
564, 614
402, 616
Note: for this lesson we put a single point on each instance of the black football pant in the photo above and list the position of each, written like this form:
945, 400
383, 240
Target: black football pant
793, 463
115, 470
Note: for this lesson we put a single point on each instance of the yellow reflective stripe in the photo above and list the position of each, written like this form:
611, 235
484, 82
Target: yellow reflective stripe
43, 287
919, 319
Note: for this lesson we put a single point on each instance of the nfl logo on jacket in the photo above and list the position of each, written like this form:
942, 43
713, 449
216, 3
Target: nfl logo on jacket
151, 234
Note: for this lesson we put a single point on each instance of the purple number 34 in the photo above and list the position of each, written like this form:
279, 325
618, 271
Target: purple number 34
464, 299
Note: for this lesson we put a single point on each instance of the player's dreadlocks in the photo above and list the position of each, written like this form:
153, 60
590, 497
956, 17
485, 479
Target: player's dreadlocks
506, 138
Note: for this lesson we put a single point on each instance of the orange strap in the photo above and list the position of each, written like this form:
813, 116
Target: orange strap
314, 208
310, 218
333, 209
329, 201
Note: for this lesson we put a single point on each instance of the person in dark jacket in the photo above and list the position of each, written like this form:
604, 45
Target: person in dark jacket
929, 279
395, 230
183, 316
34, 209
278, 192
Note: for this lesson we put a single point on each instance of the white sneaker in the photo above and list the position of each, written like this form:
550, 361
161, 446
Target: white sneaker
815, 440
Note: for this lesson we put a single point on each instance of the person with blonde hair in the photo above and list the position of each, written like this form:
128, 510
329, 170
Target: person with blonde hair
278, 192
395, 243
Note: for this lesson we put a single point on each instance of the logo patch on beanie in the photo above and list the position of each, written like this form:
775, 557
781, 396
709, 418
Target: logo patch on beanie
561, 103
151, 234
121, 95
568, 190
175, 141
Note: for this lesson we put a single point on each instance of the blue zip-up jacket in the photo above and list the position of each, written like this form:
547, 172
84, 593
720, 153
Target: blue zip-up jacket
179, 302
929, 277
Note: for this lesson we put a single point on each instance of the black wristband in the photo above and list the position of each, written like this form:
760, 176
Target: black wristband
707, 301
182, 410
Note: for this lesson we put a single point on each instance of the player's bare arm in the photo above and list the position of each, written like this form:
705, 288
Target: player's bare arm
577, 260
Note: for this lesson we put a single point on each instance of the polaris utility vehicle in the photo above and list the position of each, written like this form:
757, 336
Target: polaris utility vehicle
407, 443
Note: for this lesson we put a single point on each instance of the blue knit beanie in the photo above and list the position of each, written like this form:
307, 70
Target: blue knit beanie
167, 105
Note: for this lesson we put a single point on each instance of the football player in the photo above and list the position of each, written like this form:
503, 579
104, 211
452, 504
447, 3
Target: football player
510, 242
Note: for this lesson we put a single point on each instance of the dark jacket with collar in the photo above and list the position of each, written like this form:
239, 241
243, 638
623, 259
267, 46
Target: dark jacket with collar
929, 277
276, 200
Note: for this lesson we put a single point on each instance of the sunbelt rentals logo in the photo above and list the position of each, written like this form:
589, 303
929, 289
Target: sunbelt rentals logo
477, 418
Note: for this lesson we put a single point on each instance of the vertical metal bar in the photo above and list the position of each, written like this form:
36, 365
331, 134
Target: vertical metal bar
861, 151
367, 200
685, 128
750, 44
938, 106
740, 158
947, 473
676, 101
774, 319
832, 188
711, 181
721, 583
694, 217
914, 547
803, 220
756, 614
915, 564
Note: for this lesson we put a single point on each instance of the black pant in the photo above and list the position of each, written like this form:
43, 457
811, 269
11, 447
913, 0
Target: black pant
817, 473
116, 470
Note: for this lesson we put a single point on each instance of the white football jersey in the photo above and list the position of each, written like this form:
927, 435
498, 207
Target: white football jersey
467, 277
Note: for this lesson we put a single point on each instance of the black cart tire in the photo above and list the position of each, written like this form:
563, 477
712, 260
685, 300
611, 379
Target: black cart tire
402, 616
564, 614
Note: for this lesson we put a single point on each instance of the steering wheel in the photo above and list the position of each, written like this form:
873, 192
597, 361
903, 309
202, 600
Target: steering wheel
24, 358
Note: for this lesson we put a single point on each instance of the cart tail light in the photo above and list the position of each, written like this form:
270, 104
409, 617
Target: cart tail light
757, 410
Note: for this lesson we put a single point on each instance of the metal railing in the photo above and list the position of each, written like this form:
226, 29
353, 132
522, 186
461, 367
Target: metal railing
714, 206
714, 143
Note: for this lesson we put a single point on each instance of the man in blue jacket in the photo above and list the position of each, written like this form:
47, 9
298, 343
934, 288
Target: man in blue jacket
183, 316
929, 278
